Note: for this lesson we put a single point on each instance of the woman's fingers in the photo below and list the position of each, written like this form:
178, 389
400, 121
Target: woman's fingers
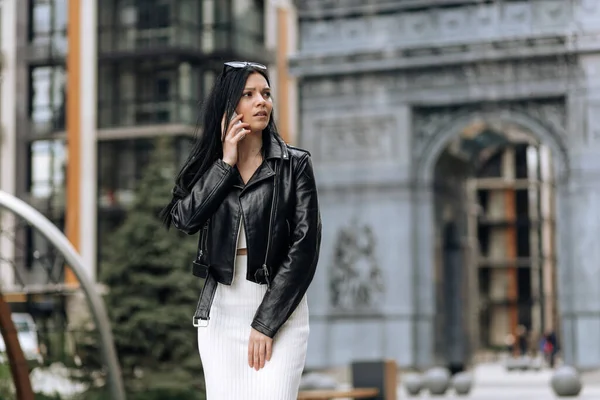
236, 132
256, 363
237, 118
240, 135
230, 142
254, 355
259, 350
269, 350
262, 349
235, 124
232, 122
251, 354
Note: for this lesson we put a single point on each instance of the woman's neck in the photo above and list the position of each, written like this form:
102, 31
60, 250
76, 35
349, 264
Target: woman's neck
250, 147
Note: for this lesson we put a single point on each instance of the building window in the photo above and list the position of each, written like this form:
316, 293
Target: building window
153, 14
46, 186
199, 26
130, 25
40, 258
120, 165
48, 26
135, 94
47, 176
236, 25
248, 25
47, 101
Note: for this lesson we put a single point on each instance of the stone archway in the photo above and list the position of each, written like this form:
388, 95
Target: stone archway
545, 121
433, 129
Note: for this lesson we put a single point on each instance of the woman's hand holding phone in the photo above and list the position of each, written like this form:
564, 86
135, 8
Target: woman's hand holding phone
236, 132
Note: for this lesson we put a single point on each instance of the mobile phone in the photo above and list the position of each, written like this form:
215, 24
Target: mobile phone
223, 125
239, 121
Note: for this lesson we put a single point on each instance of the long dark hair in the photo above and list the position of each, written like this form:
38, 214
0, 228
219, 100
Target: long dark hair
208, 147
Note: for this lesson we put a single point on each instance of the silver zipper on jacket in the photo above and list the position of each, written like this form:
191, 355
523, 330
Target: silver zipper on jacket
204, 239
264, 266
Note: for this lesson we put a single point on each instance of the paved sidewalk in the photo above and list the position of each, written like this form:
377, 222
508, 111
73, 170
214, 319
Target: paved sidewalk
494, 382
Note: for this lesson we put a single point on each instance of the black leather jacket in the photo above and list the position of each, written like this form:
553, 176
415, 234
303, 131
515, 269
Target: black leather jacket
282, 194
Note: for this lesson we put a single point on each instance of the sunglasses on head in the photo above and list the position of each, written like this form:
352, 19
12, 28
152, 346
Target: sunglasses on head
241, 64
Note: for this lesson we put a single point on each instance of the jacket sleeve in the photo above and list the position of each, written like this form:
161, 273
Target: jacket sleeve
191, 213
298, 269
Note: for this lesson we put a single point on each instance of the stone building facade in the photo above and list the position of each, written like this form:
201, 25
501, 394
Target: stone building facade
383, 88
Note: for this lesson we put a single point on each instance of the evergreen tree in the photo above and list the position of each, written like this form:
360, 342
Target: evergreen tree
151, 292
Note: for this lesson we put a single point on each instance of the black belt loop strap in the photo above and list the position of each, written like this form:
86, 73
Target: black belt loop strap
207, 294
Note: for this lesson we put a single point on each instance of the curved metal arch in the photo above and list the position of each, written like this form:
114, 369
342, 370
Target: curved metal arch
58, 239
439, 140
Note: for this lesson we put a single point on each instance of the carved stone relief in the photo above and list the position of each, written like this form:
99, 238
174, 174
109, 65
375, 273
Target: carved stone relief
551, 114
351, 138
356, 281
481, 73
468, 24
427, 123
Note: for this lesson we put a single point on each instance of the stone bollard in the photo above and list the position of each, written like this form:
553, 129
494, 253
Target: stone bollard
317, 381
437, 381
462, 383
413, 383
566, 382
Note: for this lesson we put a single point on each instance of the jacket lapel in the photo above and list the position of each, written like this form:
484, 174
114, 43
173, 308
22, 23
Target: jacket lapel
274, 153
265, 171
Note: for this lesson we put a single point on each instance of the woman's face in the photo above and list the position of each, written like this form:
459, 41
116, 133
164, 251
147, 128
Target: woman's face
256, 104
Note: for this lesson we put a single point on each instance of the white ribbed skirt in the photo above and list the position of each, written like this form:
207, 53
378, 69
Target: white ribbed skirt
223, 345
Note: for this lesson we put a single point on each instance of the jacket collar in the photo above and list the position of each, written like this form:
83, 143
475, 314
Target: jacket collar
277, 149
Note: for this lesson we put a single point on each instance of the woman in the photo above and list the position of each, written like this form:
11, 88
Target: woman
253, 199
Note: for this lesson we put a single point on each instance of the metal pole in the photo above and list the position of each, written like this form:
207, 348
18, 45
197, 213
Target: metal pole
58, 239
16, 359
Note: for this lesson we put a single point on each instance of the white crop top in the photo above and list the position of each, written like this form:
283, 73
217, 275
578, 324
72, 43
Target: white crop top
241, 243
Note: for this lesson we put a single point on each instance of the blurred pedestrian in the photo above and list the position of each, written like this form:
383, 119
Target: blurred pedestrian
550, 348
253, 199
522, 340
509, 342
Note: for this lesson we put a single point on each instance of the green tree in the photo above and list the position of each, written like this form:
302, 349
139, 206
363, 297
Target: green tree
151, 292
7, 389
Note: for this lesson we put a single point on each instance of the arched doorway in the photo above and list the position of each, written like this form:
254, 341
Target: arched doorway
450, 269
